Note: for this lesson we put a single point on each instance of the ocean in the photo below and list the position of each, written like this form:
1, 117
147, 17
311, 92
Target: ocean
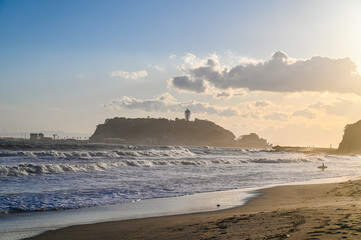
42, 179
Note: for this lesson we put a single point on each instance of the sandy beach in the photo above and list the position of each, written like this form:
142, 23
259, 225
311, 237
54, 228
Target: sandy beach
317, 211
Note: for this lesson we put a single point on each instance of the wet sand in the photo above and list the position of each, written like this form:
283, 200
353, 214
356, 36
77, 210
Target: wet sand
317, 211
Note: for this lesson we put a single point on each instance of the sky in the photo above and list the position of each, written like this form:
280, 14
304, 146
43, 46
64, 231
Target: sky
286, 70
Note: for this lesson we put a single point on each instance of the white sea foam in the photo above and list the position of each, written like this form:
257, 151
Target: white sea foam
25, 169
31, 169
179, 152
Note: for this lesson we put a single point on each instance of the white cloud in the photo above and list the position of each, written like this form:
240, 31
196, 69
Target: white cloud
172, 56
191, 61
248, 61
234, 59
156, 67
278, 74
167, 103
130, 75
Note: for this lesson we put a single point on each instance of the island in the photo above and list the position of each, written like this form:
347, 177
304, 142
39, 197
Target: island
161, 131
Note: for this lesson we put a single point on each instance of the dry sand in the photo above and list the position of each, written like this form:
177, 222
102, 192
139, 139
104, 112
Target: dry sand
318, 211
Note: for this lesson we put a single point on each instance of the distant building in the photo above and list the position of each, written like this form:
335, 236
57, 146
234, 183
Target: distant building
36, 136
187, 114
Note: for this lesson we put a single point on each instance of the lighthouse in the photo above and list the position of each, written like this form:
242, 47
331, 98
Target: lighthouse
187, 114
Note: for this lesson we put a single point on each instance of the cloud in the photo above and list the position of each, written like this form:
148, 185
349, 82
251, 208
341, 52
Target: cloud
167, 103
172, 56
278, 74
130, 75
233, 59
304, 113
248, 61
250, 115
318, 106
194, 84
188, 84
261, 103
349, 108
222, 95
277, 116
156, 67
227, 93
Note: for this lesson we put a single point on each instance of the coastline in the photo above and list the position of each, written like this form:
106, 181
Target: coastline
35, 223
328, 210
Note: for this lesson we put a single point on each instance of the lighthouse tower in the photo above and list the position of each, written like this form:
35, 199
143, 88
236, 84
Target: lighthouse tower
187, 114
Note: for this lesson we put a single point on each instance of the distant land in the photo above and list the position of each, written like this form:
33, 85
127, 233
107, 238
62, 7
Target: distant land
351, 141
48, 133
161, 131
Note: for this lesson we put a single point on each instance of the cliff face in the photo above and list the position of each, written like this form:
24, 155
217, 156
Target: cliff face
165, 132
351, 141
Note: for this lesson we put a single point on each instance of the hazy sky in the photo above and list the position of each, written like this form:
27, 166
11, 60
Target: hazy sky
287, 70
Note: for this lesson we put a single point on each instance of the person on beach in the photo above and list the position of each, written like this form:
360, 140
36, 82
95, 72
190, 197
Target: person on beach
322, 166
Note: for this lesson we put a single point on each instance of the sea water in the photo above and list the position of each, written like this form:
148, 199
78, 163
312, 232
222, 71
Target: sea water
40, 178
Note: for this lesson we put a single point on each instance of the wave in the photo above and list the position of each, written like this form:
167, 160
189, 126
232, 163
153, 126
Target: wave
130, 151
177, 152
33, 169
26, 169
69, 146
291, 160
18, 146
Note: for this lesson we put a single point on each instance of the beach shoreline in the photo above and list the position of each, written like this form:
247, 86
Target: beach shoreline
317, 211
27, 224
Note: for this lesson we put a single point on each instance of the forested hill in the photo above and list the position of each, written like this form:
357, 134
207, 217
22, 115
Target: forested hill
166, 132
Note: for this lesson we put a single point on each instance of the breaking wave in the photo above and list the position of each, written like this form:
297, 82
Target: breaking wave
26, 169
55, 175
177, 152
